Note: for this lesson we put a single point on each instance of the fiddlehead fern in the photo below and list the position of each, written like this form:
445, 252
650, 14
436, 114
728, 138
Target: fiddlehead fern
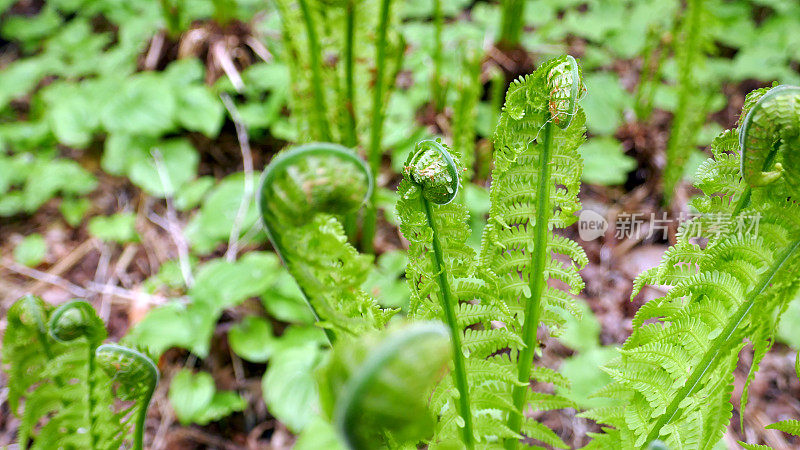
674, 378
376, 387
430, 177
66, 385
534, 189
302, 191
769, 136
135, 376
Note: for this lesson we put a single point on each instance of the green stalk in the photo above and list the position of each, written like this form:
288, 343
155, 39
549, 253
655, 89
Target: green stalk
171, 20
376, 130
350, 102
711, 354
350, 136
685, 117
90, 399
449, 307
436, 79
512, 22
320, 110
536, 283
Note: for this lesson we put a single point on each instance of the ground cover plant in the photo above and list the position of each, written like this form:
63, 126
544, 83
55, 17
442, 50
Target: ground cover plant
379, 224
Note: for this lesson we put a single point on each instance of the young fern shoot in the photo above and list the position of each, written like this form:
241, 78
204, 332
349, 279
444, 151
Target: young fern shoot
59, 366
376, 388
431, 178
303, 191
674, 378
534, 190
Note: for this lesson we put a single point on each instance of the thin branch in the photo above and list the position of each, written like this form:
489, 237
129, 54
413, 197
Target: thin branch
79, 291
172, 227
247, 163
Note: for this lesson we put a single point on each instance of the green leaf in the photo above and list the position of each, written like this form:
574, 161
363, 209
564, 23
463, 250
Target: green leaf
145, 106
135, 157
223, 284
199, 110
289, 387
119, 228
176, 325
31, 250
319, 434
212, 225
190, 394
74, 210
252, 339
192, 193
284, 301
222, 405
604, 103
604, 162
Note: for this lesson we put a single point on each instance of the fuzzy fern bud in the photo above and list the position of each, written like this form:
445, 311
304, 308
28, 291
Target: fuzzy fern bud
431, 168
769, 136
76, 319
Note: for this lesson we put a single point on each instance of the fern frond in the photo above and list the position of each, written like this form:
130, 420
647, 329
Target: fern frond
303, 191
535, 184
68, 390
676, 369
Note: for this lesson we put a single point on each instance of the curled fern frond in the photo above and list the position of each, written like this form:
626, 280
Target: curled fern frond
438, 255
769, 136
376, 388
75, 319
535, 187
135, 376
674, 378
65, 377
303, 192
566, 87
431, 168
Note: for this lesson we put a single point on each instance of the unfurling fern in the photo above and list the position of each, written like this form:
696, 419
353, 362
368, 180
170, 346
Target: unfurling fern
375, 389
67, 379
535, 184
303, 190
732, 271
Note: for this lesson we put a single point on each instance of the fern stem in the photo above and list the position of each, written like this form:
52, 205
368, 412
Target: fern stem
90, 397
685, 118
350, 105
449, 307
436, 81
710, 355
512, 22
536, 283
316, 74
376, 130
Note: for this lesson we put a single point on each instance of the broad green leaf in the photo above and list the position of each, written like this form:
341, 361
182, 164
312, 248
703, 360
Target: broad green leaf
252, 339
319, 434
191, 194
289, 387
190, 394
604, 102
31, 250
604, 162
222, 405
74, 210
199, 110
284, 301
120, 227
145, 106
223, 284
51, 176
212, 225
136, 158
